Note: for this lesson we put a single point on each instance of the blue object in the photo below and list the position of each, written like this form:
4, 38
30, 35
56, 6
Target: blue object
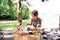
27, 28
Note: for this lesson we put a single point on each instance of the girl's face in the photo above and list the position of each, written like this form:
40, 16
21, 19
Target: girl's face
34, 17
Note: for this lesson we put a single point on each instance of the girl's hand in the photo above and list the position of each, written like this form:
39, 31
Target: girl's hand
38, 25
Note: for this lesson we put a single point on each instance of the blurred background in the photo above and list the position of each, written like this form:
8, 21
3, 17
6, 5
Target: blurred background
9, 18
49, 11
9, 14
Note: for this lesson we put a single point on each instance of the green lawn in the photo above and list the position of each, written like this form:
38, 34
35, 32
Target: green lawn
10, 25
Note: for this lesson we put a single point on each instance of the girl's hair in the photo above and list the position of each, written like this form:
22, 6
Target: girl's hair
35, 12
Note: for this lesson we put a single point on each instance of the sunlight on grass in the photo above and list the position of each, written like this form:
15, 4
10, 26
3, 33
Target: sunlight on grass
24, 23
11, 25
8, 26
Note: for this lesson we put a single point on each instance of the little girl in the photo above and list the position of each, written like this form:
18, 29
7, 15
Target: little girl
35, 20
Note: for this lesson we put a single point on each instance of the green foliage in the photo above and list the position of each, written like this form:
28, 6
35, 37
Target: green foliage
8, 10
25, 12
0, 1
4, 11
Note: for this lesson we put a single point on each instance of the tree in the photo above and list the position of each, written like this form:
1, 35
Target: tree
19, 13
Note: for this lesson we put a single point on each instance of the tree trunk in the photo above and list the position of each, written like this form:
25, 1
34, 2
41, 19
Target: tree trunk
19, 13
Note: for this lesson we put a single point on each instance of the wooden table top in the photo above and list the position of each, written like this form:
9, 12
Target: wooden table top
18, 36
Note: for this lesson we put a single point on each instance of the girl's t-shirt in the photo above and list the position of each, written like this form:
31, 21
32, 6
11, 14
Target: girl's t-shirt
34, 23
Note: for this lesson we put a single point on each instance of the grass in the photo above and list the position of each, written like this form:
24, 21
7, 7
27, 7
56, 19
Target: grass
11, 25
24, 23
8, 26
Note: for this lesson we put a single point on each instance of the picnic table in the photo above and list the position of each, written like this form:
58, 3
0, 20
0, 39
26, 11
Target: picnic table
18, 36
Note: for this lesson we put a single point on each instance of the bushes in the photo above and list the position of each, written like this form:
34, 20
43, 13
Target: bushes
7, 13
25, 12
13, 13
8, 10
4, 11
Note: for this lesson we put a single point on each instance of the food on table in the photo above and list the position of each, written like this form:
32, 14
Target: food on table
30, 32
